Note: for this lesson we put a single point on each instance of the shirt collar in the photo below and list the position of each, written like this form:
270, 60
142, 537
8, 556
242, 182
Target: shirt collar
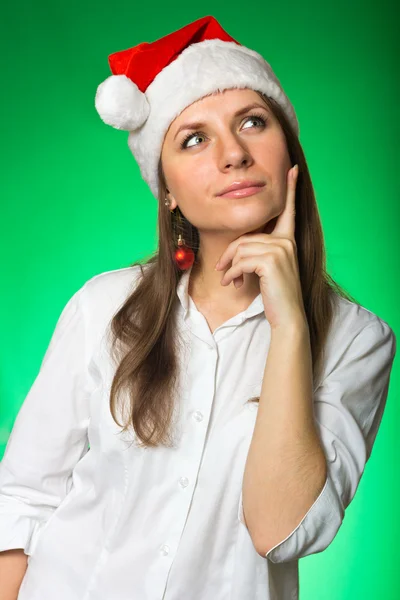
255, 308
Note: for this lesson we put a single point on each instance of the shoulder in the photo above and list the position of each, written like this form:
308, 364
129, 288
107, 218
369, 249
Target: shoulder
109, 289
355, 331
104, 294
350, 318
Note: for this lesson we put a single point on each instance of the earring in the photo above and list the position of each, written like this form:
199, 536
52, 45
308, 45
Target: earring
183, 255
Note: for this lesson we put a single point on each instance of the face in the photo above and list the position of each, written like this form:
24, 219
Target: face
225, 149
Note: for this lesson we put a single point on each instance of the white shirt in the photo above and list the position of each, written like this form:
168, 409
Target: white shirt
116, 522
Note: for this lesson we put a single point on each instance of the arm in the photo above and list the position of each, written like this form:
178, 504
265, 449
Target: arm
49, 435
286, 466
13, 565
348, 406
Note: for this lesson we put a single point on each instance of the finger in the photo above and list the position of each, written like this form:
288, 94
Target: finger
285, 225
245, 265
248, 247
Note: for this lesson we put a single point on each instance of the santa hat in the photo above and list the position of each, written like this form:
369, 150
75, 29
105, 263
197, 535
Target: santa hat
152, 83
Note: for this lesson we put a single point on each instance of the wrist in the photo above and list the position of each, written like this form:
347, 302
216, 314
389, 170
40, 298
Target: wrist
297, 327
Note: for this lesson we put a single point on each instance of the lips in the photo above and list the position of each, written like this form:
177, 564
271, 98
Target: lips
240, 185
242, 193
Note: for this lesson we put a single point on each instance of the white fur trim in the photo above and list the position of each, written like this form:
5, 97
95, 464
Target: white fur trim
120, 103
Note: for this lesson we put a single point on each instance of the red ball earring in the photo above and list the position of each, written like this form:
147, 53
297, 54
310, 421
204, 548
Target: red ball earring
183, 255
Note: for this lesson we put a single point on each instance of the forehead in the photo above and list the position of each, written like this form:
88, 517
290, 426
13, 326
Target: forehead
224, 102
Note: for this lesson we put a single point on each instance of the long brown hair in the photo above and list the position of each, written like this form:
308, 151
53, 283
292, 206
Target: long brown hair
147, 370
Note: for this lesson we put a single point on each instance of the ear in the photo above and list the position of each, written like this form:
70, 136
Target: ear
172, 201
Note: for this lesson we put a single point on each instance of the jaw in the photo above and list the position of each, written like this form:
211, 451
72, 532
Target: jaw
270, 226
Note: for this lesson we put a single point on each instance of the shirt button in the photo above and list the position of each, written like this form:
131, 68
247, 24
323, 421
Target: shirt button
198, 415
165, 549
184, 481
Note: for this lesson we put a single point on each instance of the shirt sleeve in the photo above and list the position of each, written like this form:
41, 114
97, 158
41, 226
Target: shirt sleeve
49, 435
348, 408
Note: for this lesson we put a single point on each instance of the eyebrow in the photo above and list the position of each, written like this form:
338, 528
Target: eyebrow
238, 113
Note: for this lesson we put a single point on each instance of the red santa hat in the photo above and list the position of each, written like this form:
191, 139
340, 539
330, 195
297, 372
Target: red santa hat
152, 83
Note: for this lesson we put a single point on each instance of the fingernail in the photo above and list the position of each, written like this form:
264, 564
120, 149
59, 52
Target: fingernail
294, 171
216, 266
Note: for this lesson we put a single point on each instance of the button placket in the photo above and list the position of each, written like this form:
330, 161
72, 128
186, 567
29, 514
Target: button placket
198, 416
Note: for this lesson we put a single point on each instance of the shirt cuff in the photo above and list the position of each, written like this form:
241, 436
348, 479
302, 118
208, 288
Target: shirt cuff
315, 531
19, 532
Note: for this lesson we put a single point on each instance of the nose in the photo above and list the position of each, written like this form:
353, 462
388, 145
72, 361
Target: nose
234, 153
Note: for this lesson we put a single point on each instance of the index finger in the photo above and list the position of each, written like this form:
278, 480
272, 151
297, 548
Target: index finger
285, 224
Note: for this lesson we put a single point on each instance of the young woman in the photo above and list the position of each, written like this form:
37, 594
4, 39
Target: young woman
196, 428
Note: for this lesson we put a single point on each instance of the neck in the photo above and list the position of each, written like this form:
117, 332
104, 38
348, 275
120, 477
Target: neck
204, 285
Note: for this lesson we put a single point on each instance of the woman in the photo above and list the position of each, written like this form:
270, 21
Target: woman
228, 425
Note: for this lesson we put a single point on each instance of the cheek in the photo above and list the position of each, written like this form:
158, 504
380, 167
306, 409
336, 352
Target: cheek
272, 153
198, 175
191, 186
187, 181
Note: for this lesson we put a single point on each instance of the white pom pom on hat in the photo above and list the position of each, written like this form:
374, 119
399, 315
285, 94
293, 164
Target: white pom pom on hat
121, 104
152, 83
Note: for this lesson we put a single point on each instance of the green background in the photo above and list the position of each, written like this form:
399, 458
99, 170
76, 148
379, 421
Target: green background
74, 204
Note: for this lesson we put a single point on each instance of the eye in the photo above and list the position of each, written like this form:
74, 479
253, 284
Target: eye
255, 117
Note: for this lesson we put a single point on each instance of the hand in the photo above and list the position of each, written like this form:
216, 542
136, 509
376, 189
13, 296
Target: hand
273, 256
